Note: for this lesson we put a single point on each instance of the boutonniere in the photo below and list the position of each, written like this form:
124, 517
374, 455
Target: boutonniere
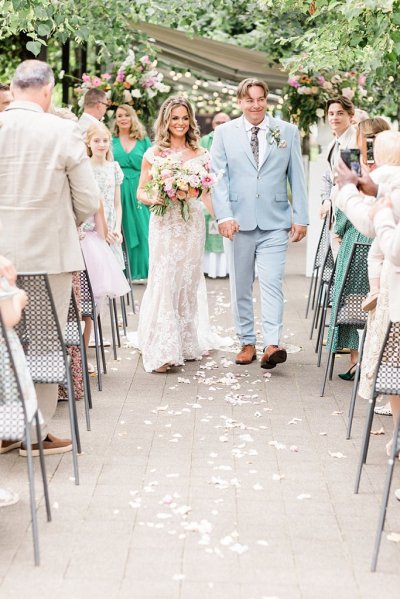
274, 136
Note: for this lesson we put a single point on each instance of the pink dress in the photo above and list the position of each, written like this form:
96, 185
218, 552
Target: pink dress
105, 274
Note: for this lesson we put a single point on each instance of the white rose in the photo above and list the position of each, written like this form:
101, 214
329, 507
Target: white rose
136, 93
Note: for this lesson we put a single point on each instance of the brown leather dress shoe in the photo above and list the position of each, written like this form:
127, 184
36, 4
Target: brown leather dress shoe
273, 355
51, 445
246, 355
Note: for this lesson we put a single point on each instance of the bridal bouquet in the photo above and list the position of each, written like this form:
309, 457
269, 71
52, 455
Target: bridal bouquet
176, 183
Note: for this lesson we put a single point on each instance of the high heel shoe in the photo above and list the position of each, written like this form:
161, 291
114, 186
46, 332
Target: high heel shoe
349, 375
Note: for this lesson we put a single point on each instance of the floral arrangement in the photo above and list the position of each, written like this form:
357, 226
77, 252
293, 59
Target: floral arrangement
176, 183
136, 82
306, 95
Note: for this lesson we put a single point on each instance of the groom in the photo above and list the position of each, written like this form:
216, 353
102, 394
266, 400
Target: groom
258, 155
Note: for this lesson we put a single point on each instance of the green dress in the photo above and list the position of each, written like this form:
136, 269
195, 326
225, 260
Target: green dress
135, 216
214, 242
344, 335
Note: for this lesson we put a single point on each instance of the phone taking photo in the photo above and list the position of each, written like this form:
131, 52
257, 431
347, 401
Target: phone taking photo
370, 150
351, 158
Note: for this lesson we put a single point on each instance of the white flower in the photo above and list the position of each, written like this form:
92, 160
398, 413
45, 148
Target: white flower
151, 92
320, 113
61, 74
136, 93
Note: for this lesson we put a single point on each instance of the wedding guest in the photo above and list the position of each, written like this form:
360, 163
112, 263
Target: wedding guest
109, 176
129, 144
5, 96
40, 205
260, 157
214, 262
94, 108
167, 319
344, 335
73, 351
340, 116
218, 119
12, 304
357, 206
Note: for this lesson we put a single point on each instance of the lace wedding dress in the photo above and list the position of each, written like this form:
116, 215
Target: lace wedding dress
168, 316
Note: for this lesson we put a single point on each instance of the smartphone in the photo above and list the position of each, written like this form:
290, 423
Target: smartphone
351, 158
370, 150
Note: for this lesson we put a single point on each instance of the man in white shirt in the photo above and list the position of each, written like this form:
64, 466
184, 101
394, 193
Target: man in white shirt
94, 108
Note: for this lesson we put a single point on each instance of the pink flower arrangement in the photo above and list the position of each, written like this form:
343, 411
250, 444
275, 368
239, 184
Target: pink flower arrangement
176, 183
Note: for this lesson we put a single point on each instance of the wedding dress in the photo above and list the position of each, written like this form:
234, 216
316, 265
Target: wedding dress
168, 318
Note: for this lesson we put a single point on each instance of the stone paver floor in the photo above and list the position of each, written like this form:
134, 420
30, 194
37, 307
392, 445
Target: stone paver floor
214, 481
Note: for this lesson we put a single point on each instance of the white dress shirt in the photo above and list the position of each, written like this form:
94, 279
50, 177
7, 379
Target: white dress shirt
261, 134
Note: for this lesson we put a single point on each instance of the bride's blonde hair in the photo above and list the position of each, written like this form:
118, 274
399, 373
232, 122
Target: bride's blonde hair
162, 136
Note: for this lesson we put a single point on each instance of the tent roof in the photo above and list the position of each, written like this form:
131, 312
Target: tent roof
217, 59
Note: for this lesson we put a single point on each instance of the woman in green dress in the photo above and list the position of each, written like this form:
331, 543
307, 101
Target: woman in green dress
129, 144
346, 335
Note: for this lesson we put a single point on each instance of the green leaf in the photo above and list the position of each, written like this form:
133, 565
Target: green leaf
34, 47
43, 30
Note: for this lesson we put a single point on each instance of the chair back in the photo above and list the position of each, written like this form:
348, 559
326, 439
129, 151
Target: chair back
72, 334
39, 331
328, 266
354, 288
323, 245
12, 408
87, 298
387, 379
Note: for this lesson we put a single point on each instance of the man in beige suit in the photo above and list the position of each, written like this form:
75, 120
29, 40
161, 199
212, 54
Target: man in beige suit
47, 188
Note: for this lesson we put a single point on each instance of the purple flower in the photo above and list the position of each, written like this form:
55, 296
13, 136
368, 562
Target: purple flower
120, 76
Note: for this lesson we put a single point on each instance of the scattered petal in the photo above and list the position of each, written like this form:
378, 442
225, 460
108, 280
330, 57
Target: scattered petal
303, 496
394, 537
381, 431
337, 454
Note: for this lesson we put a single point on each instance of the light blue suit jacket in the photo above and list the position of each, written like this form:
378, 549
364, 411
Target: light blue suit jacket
258, 197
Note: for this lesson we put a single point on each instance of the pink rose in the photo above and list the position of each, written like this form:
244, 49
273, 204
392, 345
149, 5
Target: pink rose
362, 79
145, 59
207, 180
292, 81
86, 78
166, 173
120, 76
347, 92
106, 76
96, 81
181, 195
168, 184
171, 194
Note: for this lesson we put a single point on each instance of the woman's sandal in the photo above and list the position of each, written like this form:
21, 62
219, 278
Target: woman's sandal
349, 375
162, 369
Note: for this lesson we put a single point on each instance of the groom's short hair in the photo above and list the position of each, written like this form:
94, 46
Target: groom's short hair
244, 86
344, 102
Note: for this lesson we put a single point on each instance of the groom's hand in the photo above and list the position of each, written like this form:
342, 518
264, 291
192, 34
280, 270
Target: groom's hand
228, 228
297, 232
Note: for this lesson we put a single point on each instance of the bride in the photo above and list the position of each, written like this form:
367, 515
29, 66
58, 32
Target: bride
168, 320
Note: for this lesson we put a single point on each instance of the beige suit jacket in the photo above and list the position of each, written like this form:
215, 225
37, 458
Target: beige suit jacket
47, 188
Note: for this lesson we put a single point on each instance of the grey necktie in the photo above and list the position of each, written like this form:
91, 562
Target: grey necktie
254, 143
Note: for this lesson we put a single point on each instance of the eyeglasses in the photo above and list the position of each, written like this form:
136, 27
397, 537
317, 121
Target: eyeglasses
104, 103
